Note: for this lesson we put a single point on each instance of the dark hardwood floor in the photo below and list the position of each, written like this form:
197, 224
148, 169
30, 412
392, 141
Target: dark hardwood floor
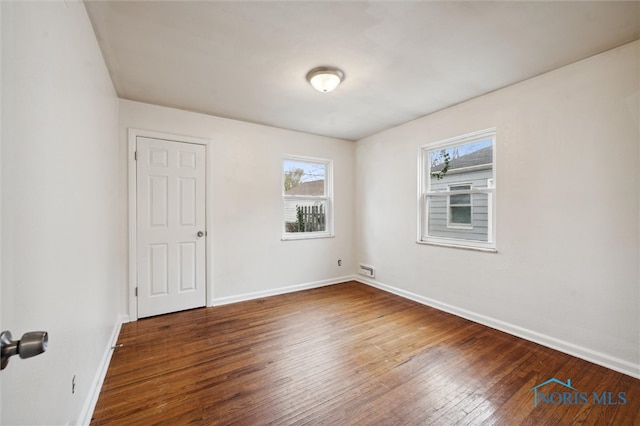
347, 354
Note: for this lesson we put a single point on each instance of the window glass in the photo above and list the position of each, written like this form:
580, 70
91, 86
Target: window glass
304, 178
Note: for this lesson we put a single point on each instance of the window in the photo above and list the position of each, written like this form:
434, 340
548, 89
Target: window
459, 210
307, 196
457, 192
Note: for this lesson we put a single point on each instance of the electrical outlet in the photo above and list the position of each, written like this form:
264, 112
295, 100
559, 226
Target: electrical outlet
73, 384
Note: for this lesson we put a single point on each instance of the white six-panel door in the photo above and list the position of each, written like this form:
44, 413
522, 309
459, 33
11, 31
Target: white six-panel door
170, 235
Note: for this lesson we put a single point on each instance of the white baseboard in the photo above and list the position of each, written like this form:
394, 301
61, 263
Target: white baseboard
274, 292
96, 385
587, 354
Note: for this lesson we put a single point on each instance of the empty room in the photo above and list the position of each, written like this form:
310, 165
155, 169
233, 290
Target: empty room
320, 212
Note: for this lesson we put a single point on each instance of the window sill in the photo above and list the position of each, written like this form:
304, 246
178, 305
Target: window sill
311, 236
459, 246
460, 227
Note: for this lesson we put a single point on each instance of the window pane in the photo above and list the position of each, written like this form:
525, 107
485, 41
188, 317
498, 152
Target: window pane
459, 187
460, 199
304, 178
461, 163
440, 219
460, 215
305, 216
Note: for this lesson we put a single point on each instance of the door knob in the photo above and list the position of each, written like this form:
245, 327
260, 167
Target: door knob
31, 344
200, 234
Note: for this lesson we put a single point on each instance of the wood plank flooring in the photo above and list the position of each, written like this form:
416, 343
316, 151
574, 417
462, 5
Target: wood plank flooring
346, 354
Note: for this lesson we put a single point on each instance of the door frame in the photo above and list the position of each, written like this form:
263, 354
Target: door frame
133, 226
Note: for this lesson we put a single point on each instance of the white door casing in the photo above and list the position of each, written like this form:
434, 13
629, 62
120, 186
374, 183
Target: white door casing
170, 214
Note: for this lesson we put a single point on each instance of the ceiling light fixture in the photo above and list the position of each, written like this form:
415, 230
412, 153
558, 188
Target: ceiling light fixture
325, 79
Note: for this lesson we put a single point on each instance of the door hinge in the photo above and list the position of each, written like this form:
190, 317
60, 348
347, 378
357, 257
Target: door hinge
136, 291
135, 155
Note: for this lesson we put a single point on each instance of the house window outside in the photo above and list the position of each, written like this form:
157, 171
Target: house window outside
459, 211
457, 192
307, 198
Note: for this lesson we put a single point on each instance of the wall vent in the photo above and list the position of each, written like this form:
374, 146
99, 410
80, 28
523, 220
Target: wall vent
367, 271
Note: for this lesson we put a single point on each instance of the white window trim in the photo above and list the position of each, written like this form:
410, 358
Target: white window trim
450, 224
424, 173
328, 198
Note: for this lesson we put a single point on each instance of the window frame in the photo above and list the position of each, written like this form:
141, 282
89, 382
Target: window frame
424, 192
327, 198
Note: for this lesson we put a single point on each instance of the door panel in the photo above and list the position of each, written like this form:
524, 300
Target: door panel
158, 202
170, 184
187, 201
158, 266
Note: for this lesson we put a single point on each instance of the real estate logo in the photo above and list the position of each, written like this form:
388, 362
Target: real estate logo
571, 396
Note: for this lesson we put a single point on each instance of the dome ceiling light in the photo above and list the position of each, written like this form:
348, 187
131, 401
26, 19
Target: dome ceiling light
325, 79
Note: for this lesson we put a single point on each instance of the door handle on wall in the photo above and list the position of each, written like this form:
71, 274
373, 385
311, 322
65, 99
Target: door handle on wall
31, 344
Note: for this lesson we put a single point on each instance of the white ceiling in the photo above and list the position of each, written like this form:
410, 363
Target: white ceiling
403, 60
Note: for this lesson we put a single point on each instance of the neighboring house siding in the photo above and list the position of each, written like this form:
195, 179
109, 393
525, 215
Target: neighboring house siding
438, 226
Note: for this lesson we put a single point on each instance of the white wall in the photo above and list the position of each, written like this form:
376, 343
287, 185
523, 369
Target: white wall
59, 207
566, 272
1, 134
247, 253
